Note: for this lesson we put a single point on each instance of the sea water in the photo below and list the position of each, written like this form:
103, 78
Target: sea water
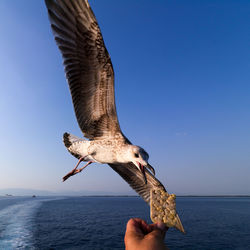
100, 222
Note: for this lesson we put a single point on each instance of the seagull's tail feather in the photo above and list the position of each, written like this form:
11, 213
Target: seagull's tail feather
66, 140
69, 139
73, 144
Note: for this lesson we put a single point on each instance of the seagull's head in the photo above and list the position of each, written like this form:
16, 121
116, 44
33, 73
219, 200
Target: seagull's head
140, 159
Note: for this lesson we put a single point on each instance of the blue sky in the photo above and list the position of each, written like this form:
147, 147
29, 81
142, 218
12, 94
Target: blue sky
182, 71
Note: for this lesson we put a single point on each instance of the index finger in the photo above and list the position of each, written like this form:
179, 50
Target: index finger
138, 226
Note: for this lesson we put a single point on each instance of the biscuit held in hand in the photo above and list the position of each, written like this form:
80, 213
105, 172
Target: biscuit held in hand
163, 208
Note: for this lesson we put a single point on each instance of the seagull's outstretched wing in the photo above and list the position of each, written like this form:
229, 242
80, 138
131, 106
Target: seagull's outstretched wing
130, 173
88, 66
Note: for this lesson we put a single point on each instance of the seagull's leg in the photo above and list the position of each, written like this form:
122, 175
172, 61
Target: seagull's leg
73, 171
81, 169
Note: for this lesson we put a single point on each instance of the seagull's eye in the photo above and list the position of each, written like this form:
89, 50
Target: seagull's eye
136, 155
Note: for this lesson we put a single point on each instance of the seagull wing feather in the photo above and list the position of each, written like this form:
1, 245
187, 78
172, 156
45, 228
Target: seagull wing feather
130, 173
88, 66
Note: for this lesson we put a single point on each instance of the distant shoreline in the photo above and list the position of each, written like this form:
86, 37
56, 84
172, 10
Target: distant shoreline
213, 195
184, 196
176, 196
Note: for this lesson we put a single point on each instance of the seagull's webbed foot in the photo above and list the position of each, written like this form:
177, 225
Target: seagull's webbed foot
68, 175
75, 170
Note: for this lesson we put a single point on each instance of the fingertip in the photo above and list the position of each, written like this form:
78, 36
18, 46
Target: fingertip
161, 226
137, 225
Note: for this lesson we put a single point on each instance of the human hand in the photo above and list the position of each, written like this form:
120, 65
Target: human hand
140, 235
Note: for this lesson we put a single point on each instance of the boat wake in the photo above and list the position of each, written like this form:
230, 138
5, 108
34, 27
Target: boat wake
17, 224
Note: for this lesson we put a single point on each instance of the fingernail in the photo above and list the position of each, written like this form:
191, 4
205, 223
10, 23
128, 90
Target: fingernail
161, 226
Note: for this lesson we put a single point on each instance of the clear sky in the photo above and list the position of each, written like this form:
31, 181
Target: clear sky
182, 72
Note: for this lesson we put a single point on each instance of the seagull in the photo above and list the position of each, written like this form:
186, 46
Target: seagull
90, 77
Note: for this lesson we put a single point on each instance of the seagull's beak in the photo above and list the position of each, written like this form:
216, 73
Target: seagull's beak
152, 170
142, 168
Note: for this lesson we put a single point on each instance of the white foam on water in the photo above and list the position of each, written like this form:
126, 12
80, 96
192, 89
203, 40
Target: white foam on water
16, 224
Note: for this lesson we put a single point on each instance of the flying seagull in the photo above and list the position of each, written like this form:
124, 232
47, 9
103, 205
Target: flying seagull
90, 76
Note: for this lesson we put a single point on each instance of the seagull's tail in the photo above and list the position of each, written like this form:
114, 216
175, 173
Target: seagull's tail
69, 139
75, 144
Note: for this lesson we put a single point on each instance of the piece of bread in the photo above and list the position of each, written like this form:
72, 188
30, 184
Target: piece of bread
163, 208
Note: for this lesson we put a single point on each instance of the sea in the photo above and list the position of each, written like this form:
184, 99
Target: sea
100, 222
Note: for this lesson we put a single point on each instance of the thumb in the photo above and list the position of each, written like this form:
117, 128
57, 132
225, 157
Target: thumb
159, 230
